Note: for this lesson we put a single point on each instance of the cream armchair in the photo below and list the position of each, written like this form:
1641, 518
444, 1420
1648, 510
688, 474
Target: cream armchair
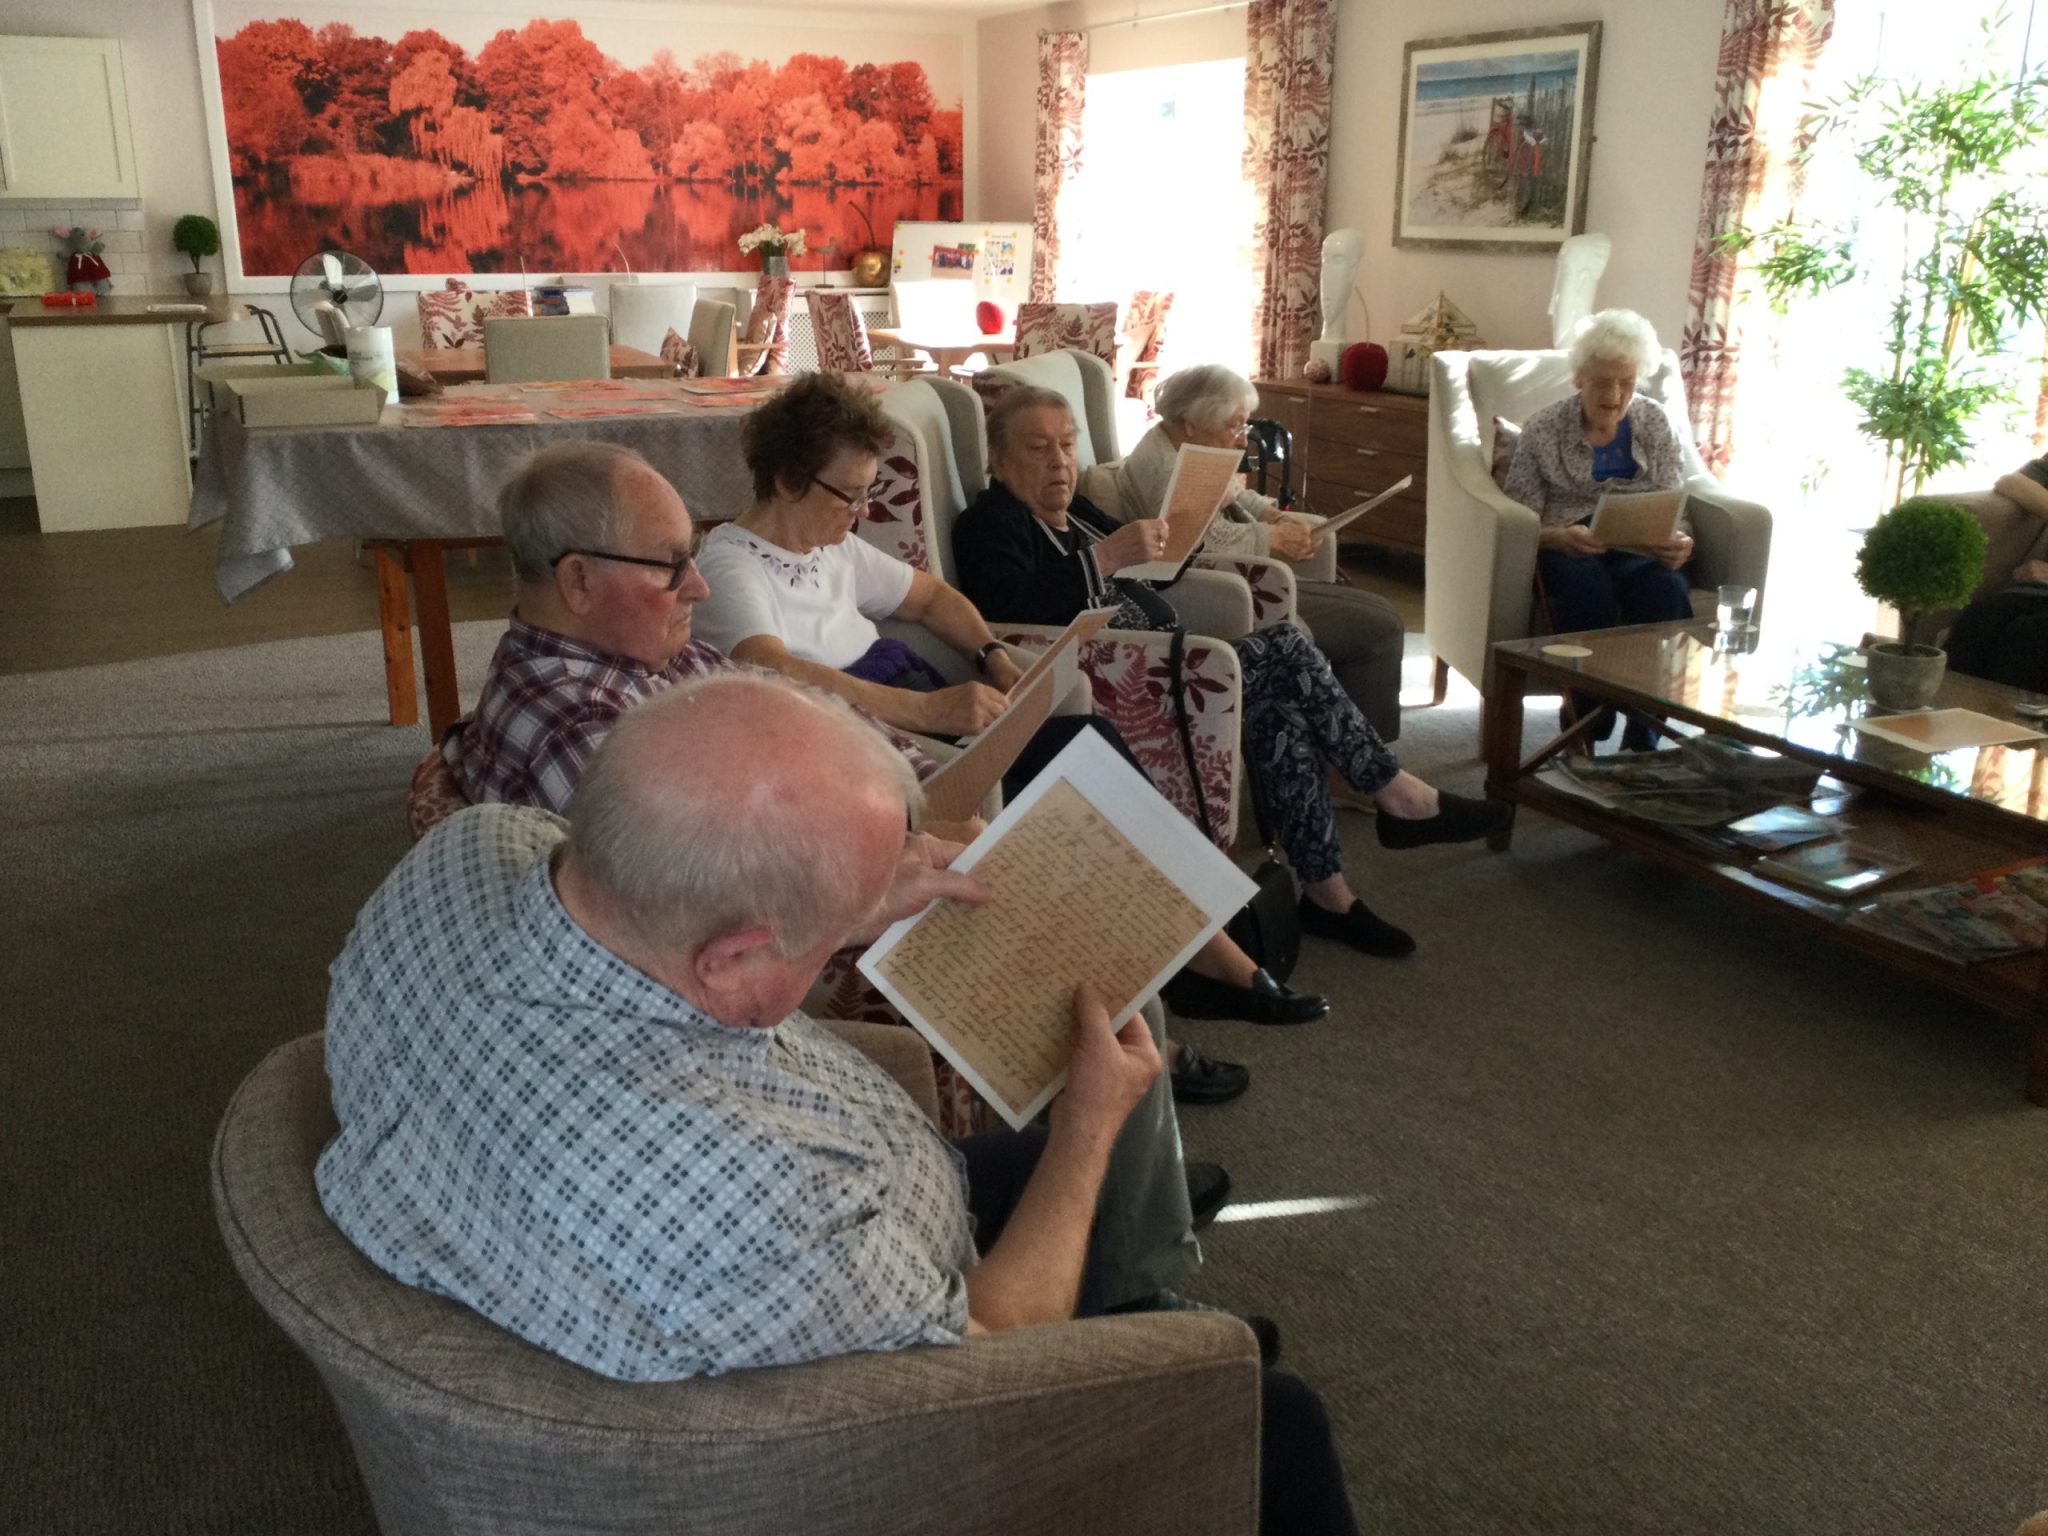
1479, 558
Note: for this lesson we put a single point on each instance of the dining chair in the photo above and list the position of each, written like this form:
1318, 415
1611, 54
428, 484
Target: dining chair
1089, 328
841, 336
643, 313
1143, 334
711, 338
519, 351
764, 345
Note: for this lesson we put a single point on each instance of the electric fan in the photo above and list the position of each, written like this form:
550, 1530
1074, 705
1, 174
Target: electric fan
335, 292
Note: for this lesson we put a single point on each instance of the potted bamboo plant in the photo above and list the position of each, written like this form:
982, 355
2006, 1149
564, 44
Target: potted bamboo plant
1922, 556
196, 236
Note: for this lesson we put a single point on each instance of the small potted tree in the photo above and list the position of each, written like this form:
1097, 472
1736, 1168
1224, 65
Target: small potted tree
1922, 556
196, 236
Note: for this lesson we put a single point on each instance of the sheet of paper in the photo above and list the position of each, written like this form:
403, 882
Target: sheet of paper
584, 411
1332, 525
1637, 520
1202, 479
1093, 877
743, 384
956, 791
1088, 623
1944, 730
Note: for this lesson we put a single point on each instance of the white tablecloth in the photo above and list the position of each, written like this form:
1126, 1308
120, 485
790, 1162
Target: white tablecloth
276, 487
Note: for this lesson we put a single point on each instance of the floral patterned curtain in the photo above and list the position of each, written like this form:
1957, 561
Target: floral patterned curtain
1056, 160
1768, 52
1290, 46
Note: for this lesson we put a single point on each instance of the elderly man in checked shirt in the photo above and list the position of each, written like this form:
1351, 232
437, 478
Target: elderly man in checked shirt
575, 1093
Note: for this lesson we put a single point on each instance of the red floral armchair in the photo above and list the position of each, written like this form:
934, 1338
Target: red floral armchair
764, 345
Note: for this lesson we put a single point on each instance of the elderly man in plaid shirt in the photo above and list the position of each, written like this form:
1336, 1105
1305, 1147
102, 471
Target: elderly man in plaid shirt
602, 546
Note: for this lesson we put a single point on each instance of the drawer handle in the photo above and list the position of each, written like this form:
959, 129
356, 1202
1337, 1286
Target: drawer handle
1371, 410
1367, 453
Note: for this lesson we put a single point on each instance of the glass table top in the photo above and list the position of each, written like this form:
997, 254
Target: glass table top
1805, 695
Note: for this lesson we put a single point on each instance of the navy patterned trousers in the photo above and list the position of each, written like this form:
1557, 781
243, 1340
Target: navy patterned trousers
1299, 723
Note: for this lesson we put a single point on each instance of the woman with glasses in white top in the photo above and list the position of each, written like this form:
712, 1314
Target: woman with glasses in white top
1360, 634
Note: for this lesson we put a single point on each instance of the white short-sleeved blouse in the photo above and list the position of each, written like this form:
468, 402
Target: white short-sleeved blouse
822, 605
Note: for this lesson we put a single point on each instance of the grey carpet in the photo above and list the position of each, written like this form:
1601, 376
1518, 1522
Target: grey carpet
1661, 1220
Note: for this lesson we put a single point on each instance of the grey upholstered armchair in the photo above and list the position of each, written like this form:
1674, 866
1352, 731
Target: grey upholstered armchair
1128, 1424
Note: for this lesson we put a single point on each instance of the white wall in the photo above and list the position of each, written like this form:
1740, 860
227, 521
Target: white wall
1655, 92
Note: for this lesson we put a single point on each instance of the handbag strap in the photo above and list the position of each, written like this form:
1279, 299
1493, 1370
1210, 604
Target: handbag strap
1177, 690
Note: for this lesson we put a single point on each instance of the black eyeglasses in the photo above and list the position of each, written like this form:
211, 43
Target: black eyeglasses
854, 503
678, 569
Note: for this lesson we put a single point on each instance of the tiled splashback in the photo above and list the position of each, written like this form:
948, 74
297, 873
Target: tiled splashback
136, 268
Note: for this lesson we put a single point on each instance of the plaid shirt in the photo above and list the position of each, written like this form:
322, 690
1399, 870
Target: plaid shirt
533, 1127
549, 701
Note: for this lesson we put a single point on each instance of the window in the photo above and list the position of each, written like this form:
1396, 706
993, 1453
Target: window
1161, 203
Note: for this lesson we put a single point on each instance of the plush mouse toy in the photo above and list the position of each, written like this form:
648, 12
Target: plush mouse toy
85, 272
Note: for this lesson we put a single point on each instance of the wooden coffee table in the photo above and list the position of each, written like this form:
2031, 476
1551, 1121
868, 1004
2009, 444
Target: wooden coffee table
1957, 814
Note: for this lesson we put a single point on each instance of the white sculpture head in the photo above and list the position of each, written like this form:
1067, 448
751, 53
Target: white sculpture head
1580, 261
1343, 249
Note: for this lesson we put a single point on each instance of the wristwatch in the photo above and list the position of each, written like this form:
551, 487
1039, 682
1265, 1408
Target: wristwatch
981, 656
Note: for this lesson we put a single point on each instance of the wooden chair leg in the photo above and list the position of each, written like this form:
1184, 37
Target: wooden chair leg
1439, 680
394, 615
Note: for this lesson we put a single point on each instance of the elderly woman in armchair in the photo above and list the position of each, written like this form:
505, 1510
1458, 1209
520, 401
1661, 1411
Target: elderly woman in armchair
1605, 437
1360, 634
1033, 548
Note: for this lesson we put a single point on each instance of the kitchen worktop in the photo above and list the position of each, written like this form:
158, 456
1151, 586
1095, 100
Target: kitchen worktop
118, 309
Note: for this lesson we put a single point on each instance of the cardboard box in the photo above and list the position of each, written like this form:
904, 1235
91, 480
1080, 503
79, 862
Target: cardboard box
297, 401
215, 377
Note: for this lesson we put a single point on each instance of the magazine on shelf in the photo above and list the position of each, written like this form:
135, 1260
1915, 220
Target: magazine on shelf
1835, 870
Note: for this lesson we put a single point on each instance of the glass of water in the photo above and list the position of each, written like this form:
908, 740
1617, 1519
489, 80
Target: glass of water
1734, 608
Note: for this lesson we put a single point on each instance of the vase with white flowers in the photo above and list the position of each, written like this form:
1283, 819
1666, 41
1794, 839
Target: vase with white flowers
776, 246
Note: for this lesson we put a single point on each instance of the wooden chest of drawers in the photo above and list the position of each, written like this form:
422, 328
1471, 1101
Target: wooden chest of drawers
1351, 445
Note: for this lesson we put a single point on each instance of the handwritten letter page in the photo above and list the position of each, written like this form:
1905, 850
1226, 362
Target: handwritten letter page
1330, 526
956, 791
1088, 623
1202, 479
1092, 877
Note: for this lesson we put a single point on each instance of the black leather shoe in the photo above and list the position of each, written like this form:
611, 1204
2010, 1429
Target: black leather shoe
1459, 819
1200, 1079
1359, 928
1265, 1001
1208, 1191
1263, 1328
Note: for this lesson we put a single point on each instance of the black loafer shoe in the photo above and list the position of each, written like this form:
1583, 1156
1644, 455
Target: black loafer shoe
1200, 1079
1264, 1329
1265, 1001
1458, 819
1208, 1191
1359, 928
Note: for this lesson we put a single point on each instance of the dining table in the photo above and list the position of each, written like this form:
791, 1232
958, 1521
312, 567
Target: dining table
948, 346
465, 365
422, 480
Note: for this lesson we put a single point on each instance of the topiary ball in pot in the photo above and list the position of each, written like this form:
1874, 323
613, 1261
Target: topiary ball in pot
1923, 556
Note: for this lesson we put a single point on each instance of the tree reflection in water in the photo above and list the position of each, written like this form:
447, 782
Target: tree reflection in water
567, 226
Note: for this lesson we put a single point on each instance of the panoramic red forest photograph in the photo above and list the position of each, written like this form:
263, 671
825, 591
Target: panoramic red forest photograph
538, 151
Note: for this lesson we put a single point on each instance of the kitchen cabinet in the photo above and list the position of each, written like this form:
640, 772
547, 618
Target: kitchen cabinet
64, 129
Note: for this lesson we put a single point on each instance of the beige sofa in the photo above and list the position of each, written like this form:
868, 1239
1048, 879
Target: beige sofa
1479, 556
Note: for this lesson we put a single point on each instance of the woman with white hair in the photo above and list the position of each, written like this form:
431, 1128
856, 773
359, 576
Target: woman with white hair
1605, 437
1361, 635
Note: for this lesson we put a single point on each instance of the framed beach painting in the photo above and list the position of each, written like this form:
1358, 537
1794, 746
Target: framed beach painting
1496, 133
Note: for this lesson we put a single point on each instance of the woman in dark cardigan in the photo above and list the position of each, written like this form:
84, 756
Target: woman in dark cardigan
1032, 551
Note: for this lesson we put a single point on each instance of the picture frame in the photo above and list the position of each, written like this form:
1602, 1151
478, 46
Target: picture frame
1496, 139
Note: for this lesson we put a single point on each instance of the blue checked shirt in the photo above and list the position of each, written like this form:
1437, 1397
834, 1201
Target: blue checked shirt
534, 1128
